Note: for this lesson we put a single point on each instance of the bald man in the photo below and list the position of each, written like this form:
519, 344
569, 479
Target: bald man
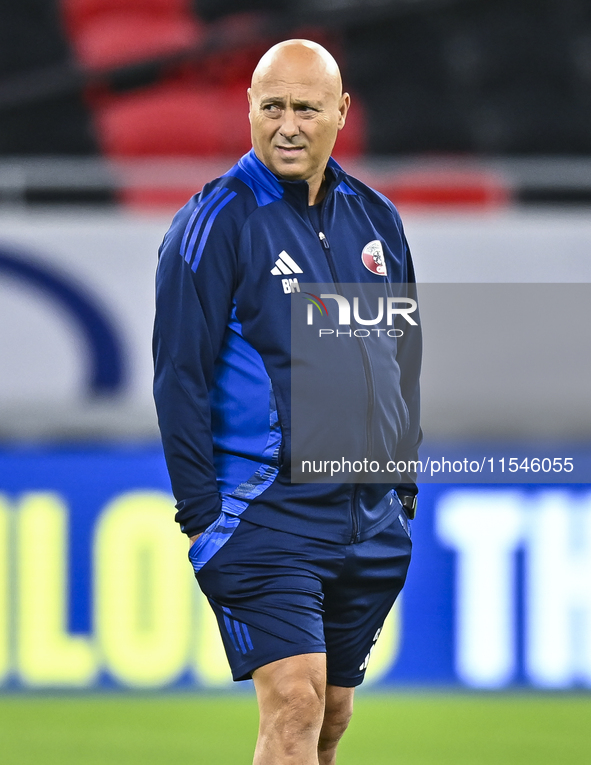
300, 575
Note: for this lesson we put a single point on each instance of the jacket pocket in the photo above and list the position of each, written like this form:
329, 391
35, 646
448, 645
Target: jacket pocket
212, 539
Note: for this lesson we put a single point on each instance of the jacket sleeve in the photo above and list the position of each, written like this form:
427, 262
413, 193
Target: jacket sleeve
195, 282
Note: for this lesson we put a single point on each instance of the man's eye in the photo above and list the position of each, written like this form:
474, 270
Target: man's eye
271, 108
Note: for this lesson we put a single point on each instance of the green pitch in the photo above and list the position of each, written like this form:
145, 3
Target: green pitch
401, 729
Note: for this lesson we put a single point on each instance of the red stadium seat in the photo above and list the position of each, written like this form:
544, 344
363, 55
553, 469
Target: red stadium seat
351, 140
195, 111
124, 37
471, 189
170, 120
78, 13
175, 121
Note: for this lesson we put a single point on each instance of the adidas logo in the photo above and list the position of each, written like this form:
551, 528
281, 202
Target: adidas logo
285, 265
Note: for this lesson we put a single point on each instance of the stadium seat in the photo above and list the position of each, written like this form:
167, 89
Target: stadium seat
124, 37
471, 189
175, 121
168, 120
351, 140
78, 13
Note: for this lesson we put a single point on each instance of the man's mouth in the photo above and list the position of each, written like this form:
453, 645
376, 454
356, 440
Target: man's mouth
290, 150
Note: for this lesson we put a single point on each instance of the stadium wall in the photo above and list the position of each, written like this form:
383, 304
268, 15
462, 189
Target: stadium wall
76, 307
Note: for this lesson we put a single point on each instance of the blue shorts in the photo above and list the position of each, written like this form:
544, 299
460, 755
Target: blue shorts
277, 594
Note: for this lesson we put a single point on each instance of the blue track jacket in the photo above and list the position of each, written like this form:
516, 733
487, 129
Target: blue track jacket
222, 350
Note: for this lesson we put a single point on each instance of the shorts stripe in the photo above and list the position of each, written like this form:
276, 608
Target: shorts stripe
230, 631
247, 637
237, 632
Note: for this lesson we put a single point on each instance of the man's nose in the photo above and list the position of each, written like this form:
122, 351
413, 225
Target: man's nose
290, 126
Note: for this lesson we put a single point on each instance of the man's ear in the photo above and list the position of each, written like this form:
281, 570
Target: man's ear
249, 96
344, 105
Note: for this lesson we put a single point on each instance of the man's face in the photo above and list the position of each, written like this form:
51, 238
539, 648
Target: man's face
295, 118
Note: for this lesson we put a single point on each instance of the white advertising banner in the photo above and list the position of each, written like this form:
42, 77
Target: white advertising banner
77, 297
76, 311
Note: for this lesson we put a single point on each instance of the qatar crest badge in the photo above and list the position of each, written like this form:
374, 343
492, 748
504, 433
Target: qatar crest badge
373, 259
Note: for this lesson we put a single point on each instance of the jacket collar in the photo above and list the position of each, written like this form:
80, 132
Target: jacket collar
274, 188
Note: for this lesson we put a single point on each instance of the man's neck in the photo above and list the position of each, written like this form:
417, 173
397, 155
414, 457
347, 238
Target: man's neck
317, 189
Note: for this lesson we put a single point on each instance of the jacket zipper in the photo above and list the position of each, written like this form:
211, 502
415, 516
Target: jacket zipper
369, 379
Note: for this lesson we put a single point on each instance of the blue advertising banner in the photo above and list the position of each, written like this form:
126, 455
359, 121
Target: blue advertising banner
96, 590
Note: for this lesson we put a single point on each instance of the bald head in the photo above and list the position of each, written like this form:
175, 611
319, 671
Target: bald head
302, 60
297, 108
